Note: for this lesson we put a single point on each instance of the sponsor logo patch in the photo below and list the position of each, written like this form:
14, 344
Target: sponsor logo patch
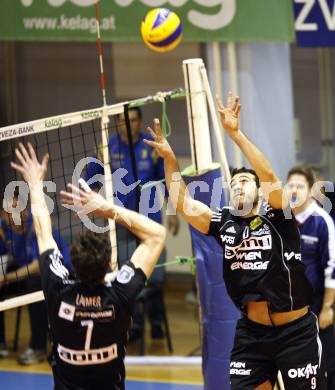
228, 239
255, 223
256, 266
303, 372
91, 114
262, 231
54, 122
66, 311
239, 368
292, 255
250, 244
125, 274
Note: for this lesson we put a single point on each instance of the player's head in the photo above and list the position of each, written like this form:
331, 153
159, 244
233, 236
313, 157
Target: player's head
244, 189
135, 119
300, 181
14, 213
91, 255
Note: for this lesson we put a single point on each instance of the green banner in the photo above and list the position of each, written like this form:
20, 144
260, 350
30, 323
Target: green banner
203, 20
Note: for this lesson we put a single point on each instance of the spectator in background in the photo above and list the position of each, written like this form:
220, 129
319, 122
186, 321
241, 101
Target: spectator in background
150, 167
20, 274
325, 189
317, 234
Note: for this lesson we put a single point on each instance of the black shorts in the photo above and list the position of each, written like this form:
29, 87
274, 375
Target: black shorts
63, 383
260, 351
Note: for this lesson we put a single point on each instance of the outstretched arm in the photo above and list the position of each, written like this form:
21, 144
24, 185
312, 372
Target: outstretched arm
34, 173
151, 234
270, 184
194, 212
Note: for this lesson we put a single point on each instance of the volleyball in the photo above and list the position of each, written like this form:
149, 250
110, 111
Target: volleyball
161, 30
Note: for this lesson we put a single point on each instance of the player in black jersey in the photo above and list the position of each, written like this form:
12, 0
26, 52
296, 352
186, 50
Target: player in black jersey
263, 271
89, 318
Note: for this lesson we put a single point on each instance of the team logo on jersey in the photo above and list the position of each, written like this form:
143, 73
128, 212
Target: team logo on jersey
292, 255
125, 274
250, 244
303, 372
144, 153
228, 239
250, 266
87, 357
239, 368
255, 223
231, 229
66, 311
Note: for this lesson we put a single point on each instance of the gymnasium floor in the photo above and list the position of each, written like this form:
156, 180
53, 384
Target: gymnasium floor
185, 337
29, 381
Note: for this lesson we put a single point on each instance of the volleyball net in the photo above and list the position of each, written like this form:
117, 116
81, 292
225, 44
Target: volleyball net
96, 145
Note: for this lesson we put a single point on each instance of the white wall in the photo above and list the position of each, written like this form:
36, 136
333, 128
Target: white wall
265, 88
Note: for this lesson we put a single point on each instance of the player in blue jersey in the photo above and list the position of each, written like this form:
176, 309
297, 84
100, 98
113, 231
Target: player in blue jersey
149, 168
20, 274
317, 234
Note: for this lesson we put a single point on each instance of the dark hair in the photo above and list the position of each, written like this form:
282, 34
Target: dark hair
16, 196
237, 171
136, 109
304, 171
90, 255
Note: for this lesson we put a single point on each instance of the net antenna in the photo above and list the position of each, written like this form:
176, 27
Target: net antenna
198, 94
105, 137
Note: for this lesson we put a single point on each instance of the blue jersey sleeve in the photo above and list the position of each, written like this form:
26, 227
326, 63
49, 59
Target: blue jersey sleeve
327, 249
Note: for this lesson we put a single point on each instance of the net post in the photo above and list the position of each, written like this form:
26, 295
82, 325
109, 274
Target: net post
197, 114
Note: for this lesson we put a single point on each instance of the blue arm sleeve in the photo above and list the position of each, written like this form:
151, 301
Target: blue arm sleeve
327, 249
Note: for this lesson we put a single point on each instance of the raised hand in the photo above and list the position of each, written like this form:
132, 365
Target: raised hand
159, 143
230, 114
31, 169
84, 201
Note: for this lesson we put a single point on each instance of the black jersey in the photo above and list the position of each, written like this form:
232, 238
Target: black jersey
88, 324
262, 259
